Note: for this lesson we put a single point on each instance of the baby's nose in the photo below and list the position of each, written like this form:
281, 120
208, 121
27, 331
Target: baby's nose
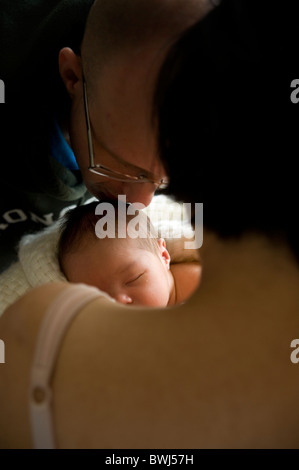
123, 299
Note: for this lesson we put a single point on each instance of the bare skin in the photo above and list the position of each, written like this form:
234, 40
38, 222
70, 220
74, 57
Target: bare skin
113, 114
124, 133
130, 274
214, 372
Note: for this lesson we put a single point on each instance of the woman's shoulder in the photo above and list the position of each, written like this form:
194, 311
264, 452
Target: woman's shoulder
31, 307
39, 296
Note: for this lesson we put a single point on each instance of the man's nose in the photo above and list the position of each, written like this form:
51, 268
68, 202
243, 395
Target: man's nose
142, 193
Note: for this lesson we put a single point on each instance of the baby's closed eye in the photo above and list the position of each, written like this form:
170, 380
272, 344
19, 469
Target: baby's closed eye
135, 278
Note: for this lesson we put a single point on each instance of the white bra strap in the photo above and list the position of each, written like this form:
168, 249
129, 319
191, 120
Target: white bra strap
54, 326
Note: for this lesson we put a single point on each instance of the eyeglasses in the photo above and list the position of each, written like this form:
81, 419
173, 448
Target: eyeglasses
107, 172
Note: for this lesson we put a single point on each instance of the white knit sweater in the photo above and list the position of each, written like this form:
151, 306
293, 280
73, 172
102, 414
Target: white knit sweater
37, 265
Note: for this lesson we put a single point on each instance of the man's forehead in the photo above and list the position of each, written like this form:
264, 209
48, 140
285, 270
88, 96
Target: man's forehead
149, 162
131, 146
121, 112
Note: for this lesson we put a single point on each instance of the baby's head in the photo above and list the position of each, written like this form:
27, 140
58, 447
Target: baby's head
130, 264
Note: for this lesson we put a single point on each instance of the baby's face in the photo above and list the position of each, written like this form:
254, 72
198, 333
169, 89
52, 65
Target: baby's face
125, 270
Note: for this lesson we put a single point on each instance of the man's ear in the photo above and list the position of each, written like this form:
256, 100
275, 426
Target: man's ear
70, 69
163, 252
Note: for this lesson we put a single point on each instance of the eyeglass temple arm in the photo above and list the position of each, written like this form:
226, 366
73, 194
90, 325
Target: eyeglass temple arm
90, 146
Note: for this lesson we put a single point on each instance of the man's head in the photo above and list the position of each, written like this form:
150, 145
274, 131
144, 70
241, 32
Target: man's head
131, 270
124, 45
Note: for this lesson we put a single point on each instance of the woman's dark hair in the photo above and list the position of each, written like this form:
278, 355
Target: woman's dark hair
227, 126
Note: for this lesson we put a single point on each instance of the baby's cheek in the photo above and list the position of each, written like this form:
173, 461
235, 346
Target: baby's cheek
155, 296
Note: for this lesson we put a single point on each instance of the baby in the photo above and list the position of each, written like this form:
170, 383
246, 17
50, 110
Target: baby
133, 268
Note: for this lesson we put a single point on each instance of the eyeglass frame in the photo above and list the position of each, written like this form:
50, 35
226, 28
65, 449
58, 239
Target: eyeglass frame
95, 168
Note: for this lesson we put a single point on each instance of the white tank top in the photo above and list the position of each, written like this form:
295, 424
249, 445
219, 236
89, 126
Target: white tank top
53, 328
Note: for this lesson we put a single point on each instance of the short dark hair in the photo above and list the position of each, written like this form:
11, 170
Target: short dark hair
81, 221
227, 127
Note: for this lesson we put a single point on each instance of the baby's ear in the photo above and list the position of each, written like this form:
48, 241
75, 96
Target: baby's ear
163, 252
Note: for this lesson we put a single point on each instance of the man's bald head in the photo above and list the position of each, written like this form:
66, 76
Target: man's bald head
128, 26
124, 46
